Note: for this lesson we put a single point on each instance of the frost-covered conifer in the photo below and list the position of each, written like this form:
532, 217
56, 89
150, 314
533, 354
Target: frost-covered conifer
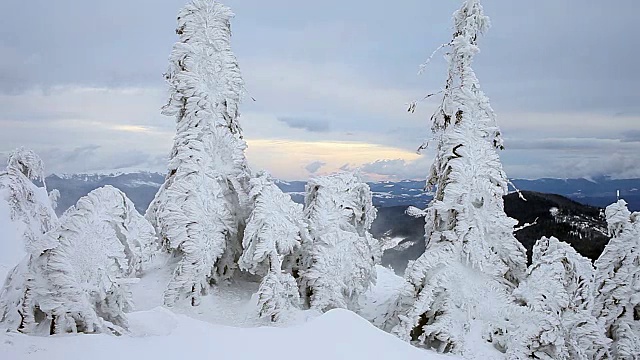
617, 295
77, 279
199, 211
26, 206
29, 203
338, 263
278, 293
274, 231
559, 291
470, 241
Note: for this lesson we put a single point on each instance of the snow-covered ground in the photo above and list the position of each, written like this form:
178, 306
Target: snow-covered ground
224, 326
161, 334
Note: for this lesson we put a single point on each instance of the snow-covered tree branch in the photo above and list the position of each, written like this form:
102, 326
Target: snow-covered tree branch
341, 256
559, 288
617, 293
274, 232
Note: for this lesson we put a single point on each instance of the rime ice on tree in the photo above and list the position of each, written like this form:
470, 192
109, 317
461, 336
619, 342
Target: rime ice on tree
28, 202
559, 292
470, 241
76, 280
273, 234
617, 296
199, 211
338, 264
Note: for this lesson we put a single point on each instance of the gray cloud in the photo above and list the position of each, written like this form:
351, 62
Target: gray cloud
522, 64
94, 158
90, 159
571, 144
312, 125
631, 136
326, 65
79, 153
616, 165
346, 167
398, 169
313, 167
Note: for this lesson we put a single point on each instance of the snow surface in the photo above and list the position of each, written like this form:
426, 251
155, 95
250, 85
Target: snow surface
160, 334
222, 327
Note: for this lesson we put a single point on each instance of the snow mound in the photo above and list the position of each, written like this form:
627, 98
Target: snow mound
160, 334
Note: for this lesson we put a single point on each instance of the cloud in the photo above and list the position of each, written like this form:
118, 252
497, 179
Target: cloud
631, 136
81, 152
587, 144
89, 159
563, 109
313, 125
313, 167
287, 159
398, 169
617, 165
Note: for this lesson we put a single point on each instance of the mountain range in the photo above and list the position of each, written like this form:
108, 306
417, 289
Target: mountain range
140, 187
569, 209
540, 214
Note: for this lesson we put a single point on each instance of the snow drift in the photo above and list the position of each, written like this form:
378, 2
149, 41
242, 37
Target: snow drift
160, 334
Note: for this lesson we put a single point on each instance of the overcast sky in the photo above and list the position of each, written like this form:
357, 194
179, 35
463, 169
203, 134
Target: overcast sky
81, 83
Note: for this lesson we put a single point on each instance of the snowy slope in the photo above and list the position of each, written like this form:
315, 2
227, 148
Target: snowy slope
225, 326
160, 334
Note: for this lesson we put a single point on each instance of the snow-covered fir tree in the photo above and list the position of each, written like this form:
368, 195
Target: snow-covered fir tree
75, 279
559, 289
471, 253
617, 295
273, 234
337, 265
29, 203
199, 211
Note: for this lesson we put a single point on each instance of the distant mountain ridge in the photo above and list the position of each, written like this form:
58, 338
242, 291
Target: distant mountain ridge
582, 226
141, 187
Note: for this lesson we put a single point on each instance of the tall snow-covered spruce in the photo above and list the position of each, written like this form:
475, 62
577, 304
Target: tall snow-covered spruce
200, 210
617, 296
337, 265
472, 260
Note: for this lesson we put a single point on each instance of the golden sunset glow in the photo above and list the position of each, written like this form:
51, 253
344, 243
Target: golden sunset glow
287, 159
131, 128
